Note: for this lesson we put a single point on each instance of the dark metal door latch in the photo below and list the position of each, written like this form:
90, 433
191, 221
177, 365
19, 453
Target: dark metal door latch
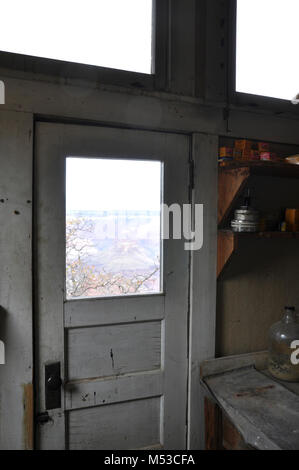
53, 385
42, 418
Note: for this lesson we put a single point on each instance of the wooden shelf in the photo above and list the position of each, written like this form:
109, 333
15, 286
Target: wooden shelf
233, 178
262, 235
228, 242
259, 168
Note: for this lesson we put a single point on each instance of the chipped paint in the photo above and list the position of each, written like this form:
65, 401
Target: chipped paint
28, 416
112, 358
254, 392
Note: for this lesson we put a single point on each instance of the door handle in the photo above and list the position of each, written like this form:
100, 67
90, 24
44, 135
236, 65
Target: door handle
53, 385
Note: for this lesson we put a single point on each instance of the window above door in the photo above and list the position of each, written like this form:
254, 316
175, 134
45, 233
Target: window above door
110, 42
116, 34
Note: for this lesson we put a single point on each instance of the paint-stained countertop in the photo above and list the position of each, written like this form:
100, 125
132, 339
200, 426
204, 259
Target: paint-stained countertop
264, 411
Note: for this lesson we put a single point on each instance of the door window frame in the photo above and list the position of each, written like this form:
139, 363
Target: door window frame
162, 281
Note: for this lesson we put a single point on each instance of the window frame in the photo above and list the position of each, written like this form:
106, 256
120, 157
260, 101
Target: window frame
98, 74
258, 102
161, 291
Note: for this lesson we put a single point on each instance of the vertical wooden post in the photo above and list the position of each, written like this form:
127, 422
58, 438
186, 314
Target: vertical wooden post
203, 282
28, 424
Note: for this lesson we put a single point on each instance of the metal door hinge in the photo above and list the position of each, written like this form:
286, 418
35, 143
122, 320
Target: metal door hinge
191, 174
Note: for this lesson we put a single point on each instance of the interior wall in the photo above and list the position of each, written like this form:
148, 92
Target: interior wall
258, 283
16, 386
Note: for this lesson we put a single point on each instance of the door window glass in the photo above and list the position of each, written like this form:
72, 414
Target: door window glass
113, 227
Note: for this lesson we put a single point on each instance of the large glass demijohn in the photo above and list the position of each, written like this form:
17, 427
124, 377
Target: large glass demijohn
282, 338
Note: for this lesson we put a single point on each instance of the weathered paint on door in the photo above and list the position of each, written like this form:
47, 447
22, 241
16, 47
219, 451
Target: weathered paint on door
143, 404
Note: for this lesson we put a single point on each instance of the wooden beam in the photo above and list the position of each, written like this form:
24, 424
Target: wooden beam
203, 318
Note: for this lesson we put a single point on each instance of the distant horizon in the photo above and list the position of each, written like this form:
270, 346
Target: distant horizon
115, 211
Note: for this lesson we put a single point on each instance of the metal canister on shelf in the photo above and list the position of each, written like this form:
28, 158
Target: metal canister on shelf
246, 220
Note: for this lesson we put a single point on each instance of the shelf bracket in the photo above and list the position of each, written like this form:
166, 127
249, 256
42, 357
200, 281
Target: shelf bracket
231, 184
227, 245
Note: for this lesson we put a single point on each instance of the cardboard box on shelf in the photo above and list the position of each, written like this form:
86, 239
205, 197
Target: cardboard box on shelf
292, 220
226, 152
255, 155
265, 156
263, 147
269, 157
247, 155
243, 145
237, 154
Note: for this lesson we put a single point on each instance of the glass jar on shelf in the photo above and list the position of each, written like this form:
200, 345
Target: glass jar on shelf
282, 336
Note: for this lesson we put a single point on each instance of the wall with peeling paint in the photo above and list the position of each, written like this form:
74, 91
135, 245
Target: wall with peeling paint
16, 144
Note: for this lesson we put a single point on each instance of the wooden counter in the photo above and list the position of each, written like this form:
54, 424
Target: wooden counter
246, 408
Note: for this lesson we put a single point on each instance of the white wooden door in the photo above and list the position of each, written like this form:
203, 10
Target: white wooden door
123, 358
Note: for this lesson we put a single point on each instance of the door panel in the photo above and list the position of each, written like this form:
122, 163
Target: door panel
105, 351
123, 359
90, 313
98, 392
134, 424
